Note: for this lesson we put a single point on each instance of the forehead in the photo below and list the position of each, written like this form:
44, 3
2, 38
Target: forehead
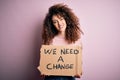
57, 16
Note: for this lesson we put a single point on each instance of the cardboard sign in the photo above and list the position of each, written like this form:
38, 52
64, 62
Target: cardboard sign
60, 60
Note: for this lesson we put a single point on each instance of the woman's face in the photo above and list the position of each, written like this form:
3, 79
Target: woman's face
59, 23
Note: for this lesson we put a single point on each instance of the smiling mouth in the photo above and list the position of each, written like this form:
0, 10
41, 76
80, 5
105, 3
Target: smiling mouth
60, 27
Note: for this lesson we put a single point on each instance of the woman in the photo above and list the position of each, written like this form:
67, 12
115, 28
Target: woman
61, 27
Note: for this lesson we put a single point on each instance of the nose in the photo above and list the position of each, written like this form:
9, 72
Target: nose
59, 23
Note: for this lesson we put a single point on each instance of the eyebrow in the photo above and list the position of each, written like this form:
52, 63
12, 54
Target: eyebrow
54, 20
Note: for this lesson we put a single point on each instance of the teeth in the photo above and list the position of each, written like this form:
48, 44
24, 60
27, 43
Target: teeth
61, 26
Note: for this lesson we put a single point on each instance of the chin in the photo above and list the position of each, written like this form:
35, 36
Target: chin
62, 31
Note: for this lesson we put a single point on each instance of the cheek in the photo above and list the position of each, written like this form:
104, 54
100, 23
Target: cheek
56, 26
65, 24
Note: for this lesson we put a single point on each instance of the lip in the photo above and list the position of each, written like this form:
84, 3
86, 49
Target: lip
60, 27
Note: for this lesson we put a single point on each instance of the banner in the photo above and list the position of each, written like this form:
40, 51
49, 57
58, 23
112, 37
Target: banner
60, 60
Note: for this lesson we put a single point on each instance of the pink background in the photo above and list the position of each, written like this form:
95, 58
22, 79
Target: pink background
20, 28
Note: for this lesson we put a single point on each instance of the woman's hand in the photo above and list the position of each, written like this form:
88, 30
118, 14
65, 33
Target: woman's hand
78, 75
42, 77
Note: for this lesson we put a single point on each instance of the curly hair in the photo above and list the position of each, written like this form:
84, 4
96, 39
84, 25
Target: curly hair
72, 32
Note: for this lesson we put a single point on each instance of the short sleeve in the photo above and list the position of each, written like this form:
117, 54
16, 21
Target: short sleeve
79, 42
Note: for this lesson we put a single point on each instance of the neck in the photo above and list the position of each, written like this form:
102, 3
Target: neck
62, 34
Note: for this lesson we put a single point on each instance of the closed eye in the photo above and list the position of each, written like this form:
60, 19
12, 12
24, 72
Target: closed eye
54, 22
61, 18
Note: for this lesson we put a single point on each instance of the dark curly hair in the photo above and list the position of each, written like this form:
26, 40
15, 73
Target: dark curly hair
72, 32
